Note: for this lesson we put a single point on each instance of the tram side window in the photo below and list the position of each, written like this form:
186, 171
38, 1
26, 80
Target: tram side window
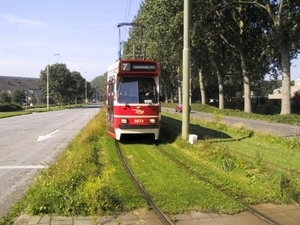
127, 90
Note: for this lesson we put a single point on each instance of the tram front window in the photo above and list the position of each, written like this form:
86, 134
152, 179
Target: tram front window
137, 90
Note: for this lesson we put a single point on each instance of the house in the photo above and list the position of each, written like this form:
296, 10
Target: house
29, 86
277, 92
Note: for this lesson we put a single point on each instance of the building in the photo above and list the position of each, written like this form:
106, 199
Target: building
29, 86
277, 92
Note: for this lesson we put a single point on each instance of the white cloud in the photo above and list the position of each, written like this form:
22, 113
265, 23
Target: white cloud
13, 19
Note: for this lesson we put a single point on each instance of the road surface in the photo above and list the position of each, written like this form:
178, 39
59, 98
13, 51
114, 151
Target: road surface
31, 142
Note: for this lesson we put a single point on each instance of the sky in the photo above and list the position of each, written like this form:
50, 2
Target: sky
83, 33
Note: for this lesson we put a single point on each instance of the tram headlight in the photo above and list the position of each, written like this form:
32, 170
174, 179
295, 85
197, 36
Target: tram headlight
152, 121
124, 121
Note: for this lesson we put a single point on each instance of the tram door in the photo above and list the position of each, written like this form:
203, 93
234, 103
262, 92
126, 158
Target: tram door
110, 106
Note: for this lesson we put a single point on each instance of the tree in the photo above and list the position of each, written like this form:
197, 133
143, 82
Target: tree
59, 83
99, 85
19, 96
4, 98
163, 36
77, 87
284, 35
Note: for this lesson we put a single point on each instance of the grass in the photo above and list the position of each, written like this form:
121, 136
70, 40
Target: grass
173, 188
36, 110
252, 166
89, 179
292, 119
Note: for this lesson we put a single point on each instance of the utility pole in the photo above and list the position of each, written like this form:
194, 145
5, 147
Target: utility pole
86, 100
186, 71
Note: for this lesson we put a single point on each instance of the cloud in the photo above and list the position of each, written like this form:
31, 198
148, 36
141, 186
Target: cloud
13, 19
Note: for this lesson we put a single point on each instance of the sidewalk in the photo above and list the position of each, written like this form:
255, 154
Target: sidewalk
284, 214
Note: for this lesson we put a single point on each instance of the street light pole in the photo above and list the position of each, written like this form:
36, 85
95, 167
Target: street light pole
86, 100
48, 79
186, 71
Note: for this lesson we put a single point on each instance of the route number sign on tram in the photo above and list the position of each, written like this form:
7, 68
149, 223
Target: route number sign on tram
137, 66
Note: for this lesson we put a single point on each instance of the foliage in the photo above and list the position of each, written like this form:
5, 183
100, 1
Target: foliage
19, 96
10, 107
4, 98
99, 86
64, 86
233, 44
277, 118
296, 103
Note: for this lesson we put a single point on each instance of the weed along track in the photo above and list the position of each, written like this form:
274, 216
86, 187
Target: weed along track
221, 174
187, 168
156, 209
198, 192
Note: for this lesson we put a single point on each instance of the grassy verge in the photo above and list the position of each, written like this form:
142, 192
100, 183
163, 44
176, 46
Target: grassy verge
30, 110
292, 119
174, 189
88, 179
253, 167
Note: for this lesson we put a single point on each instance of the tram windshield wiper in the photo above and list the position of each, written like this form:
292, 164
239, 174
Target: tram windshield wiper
126, 103
121, 97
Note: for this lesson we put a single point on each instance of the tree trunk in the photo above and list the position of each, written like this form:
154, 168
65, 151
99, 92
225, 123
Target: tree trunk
166, 94
221, 90
247, 90
202, 90
286, 80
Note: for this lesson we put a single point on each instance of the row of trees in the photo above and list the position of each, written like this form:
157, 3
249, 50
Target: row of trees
234, 45
99, 86
64, 86
18, 97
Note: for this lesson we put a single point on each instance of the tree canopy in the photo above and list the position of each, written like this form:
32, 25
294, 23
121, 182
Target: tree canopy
234, 45
64, 86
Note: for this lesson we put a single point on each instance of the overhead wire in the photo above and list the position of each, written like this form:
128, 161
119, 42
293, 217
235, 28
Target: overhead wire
126, 18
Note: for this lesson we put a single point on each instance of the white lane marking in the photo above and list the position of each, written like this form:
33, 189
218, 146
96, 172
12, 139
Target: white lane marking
41, 138
23, 167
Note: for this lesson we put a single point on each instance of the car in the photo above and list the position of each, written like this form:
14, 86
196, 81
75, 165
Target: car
178, 108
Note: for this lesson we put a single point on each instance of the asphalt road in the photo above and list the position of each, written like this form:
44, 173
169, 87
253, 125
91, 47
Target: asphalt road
279, 129
31, 142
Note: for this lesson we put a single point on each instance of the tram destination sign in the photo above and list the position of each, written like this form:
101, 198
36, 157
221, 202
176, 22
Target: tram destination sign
138, 66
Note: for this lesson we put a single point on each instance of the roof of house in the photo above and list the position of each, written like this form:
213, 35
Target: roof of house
10, 84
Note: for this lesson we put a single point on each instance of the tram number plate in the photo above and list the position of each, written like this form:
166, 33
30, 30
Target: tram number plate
138, 121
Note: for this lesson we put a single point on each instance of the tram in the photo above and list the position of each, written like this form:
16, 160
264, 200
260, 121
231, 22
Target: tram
132, 98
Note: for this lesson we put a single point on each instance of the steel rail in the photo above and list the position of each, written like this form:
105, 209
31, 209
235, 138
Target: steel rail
256, 212
163, 218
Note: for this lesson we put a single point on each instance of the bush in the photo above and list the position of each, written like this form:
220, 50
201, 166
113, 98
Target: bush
6, 107
295, 103
270, 107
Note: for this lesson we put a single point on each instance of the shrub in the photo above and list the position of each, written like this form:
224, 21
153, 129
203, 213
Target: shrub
6, 107
295, 104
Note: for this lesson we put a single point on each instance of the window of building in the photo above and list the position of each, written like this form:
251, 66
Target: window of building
20, 83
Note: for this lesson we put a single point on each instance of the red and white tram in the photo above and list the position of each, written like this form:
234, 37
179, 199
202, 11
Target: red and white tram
132, 98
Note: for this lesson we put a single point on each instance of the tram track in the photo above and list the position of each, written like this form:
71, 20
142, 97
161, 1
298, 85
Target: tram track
256, 212
163, 218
